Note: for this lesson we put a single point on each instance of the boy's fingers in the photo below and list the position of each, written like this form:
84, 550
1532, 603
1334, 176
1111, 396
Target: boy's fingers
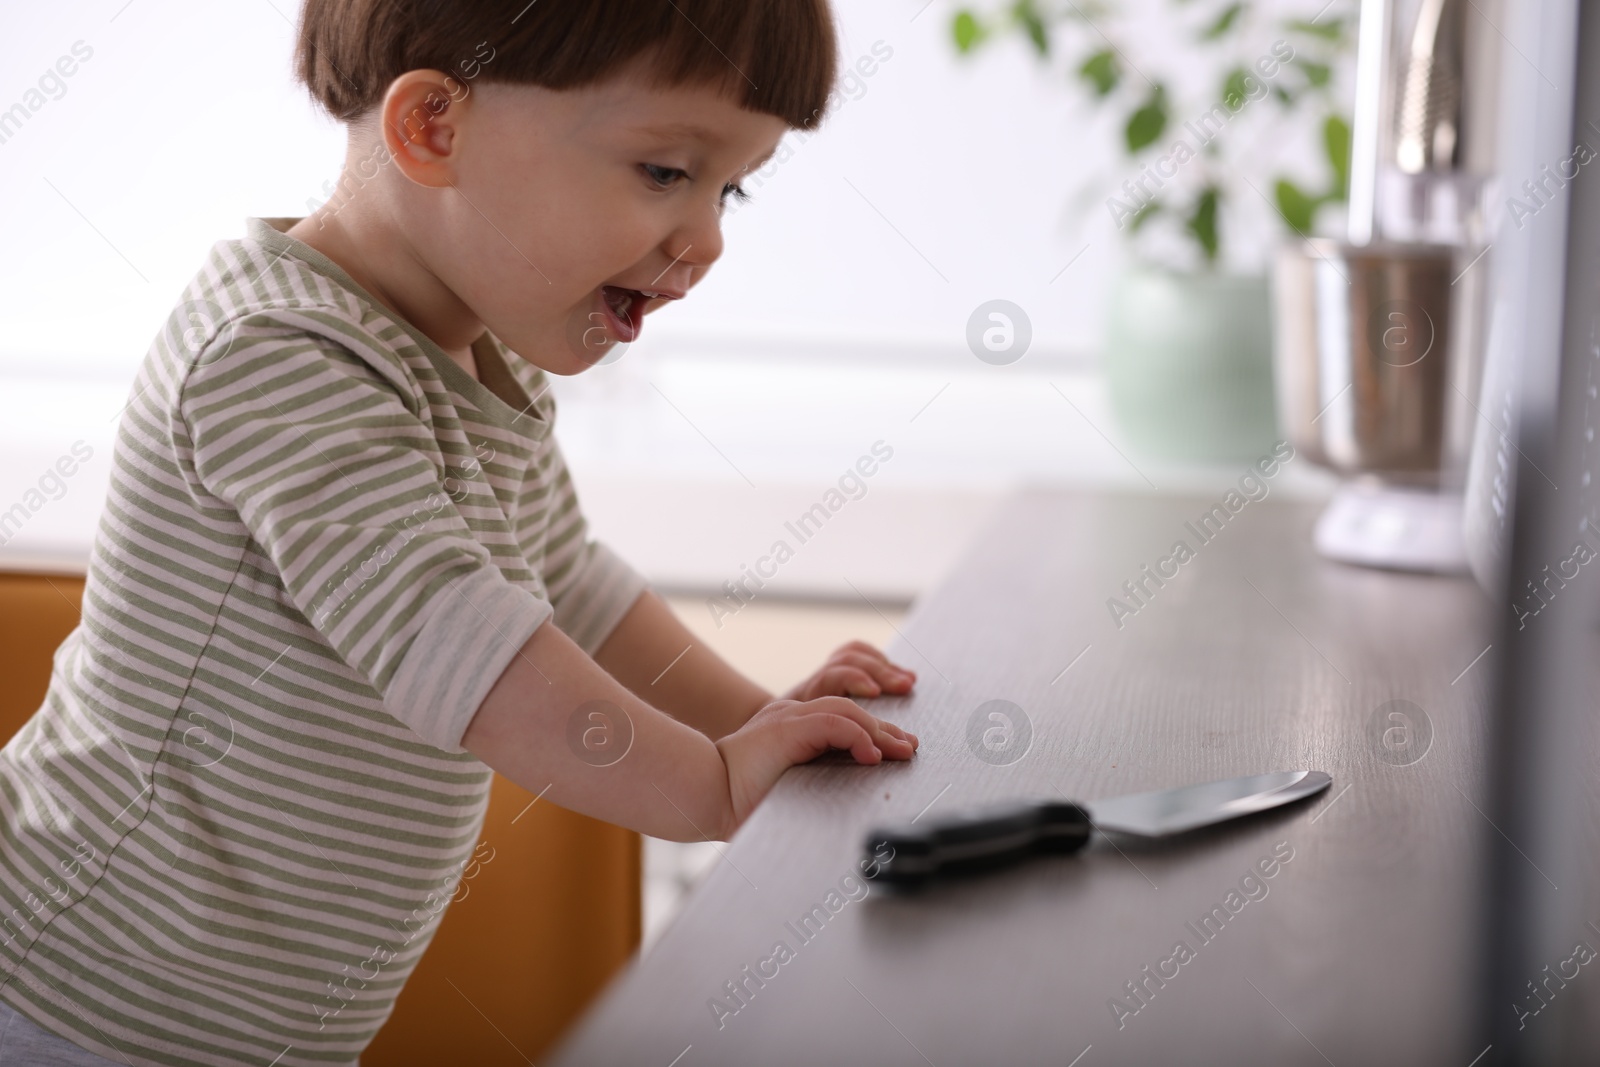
890, 736
848, 681
879, 670
809, 736
839, 731
857, 682
859, 646
861, 654
896, 731
866, 662
893, 678
885, 667
891, 739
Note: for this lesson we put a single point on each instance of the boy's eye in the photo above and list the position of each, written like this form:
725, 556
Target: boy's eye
666, 177
663, 176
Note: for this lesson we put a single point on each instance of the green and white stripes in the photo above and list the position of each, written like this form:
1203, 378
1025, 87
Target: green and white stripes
228, 830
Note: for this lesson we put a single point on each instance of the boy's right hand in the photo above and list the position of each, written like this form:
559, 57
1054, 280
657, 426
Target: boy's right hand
787, 732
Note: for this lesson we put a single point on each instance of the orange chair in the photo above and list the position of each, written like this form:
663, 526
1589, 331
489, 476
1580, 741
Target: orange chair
548, 916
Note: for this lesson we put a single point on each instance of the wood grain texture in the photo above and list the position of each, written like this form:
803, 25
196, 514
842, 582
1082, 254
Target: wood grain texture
1258, 656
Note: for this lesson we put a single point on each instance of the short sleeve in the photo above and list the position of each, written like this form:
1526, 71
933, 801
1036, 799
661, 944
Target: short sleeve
339, 484
591, 586
596, 592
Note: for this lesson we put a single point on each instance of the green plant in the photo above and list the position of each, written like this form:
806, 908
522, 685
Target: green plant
1086, 34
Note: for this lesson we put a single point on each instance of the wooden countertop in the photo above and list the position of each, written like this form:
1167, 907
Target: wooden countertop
1257, 656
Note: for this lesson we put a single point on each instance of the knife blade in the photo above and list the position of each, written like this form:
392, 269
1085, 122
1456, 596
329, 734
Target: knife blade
1000, 835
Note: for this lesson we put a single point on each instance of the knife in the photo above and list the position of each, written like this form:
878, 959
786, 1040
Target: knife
997, 836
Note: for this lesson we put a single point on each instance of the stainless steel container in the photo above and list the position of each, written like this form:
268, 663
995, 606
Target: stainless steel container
1379, 339
1373, 357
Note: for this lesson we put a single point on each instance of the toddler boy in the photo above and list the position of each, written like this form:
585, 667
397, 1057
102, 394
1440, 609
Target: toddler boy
342, 574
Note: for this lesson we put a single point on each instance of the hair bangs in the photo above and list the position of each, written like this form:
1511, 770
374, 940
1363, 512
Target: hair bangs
777, 57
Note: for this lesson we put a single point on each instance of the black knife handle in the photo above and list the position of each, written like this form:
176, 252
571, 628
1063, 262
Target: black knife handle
979, 841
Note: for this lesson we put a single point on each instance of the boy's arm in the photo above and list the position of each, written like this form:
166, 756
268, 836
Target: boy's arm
663, 778
659, 660
318, 481
656, 657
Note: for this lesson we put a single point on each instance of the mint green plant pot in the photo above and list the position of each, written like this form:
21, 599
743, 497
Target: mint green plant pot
1189, 364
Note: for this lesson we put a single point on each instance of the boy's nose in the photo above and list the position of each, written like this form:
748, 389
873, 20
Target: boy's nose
696, 245
689, 260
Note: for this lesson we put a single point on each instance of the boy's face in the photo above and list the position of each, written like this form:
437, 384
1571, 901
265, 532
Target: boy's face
566, 216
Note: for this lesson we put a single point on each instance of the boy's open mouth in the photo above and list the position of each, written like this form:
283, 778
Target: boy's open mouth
624, 310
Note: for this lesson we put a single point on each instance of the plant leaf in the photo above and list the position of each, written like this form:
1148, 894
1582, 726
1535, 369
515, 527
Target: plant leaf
1146, 124
1224, 22
1090, 11
966, 31
1032, 25
1101, 71
1143, 215
1203, 223
1331, 30
1336, 140
1296, 206
1317, 74
1234, 88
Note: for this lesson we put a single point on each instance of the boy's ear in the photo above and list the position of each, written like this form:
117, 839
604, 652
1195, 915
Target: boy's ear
421, 115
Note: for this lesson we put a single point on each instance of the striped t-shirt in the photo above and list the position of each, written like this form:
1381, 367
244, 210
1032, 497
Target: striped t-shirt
230, 829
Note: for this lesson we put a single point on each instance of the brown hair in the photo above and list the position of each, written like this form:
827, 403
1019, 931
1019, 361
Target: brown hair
778, 57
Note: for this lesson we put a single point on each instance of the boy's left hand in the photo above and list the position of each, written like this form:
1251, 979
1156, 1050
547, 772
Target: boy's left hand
855, 669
